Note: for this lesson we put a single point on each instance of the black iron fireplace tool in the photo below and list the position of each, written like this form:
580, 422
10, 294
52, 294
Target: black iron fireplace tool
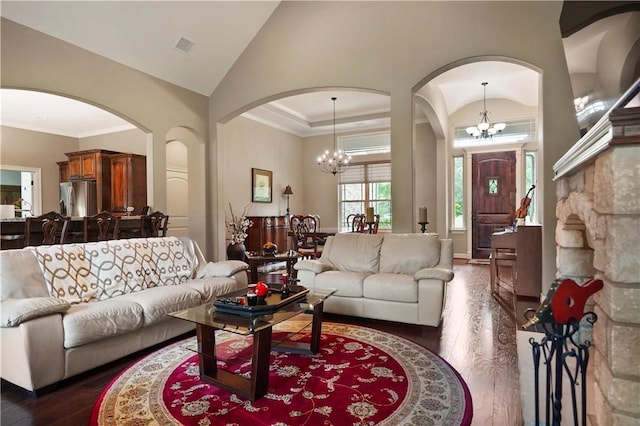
559, 316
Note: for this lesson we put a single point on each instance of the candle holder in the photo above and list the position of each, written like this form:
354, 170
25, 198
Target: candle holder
370, 226
423, 226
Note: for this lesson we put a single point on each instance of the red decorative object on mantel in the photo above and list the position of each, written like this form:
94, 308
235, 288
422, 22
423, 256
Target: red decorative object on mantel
569, 299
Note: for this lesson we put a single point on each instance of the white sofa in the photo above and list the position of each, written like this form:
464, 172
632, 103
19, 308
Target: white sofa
66, 309
393, 277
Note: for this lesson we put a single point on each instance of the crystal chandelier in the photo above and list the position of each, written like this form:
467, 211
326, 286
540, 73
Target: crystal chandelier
338, 162
485, 129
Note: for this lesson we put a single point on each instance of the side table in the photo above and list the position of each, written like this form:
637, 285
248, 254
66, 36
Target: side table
255, 260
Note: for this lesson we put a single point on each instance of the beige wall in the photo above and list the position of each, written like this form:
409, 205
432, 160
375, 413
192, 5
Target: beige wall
27, 148
153, 105
130, 141
426, 181
391, 47
249, 144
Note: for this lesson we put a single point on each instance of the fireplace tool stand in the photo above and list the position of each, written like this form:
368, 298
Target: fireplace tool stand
561, 352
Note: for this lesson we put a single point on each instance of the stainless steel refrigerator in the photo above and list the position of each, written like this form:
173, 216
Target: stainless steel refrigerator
78, 198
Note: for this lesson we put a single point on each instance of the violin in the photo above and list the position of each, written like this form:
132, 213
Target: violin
523, 210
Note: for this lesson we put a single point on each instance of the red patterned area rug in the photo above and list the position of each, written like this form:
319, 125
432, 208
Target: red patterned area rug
360, 377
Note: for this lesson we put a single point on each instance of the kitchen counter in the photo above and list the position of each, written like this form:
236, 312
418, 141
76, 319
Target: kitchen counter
15, 226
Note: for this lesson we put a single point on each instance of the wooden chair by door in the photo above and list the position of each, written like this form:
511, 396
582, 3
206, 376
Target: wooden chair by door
305, 241
49, 228
154, 224
100, 227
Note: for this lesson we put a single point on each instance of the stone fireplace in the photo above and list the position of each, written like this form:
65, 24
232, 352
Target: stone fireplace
598, 235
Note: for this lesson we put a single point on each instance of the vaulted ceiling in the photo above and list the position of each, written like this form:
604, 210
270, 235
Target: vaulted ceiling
144, 36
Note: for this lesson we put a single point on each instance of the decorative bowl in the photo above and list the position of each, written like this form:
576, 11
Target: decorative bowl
269, 249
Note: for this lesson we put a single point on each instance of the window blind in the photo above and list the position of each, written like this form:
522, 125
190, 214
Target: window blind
354, 174
372, 172
379, 172
367, 143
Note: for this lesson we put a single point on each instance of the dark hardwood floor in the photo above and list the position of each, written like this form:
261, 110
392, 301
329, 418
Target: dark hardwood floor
477, 337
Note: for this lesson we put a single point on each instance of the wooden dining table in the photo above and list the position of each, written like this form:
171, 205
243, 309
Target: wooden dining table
321, 236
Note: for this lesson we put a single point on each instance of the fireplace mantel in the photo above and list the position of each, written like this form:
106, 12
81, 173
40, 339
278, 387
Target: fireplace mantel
596, 140
598, 235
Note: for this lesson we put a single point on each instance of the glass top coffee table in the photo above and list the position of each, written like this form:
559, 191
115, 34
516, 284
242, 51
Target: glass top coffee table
208, 319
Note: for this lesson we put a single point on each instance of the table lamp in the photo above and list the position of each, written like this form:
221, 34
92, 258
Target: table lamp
288, 192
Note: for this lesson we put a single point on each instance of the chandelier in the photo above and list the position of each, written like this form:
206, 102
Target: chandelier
485, 129
338, 162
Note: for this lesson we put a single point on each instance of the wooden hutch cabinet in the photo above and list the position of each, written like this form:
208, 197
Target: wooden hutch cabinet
90, 164
128, 182
63, 167
264, 229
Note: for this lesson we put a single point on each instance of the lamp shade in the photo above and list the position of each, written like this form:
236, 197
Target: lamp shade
288, 190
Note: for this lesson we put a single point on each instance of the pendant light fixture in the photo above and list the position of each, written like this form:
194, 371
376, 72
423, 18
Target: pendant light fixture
338, 161
485, 129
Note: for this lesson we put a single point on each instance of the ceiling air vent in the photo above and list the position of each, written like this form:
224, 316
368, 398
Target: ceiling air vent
184, 45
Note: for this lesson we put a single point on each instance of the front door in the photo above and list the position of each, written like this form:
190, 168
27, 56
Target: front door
493, 199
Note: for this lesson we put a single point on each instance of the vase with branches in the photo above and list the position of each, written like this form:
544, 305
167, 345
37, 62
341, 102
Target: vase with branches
237, 227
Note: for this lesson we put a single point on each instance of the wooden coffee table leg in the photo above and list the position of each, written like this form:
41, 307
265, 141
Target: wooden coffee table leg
207, 351
313, 347
253, 388
316, 328
260, 363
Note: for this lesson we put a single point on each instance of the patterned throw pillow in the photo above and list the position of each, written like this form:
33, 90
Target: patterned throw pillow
99, 271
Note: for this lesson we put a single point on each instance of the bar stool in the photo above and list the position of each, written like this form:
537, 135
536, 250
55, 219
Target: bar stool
100, 227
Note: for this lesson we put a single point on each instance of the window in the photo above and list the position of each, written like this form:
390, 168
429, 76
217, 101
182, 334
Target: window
362, 186
458, 192
517, 131
366, 143
529, 180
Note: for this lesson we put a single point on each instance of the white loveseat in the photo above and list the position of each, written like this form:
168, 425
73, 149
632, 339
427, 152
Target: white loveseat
69, 308
393, 277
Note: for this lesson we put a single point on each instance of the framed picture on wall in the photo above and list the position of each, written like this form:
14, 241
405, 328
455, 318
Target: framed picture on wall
261, 183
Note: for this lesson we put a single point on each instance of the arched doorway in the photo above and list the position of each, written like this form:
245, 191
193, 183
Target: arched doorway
452, 98
177, 160
245, 141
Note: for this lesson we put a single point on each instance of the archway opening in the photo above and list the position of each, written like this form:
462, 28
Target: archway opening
452, 99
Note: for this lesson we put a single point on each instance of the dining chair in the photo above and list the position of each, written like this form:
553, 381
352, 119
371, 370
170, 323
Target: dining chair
49, 228
154, 224
357, 225
373, 228
100, 227
305, 241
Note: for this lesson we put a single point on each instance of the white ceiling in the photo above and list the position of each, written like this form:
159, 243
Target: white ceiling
143, 34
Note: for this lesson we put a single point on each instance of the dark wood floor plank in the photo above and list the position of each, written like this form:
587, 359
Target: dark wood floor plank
477, 337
